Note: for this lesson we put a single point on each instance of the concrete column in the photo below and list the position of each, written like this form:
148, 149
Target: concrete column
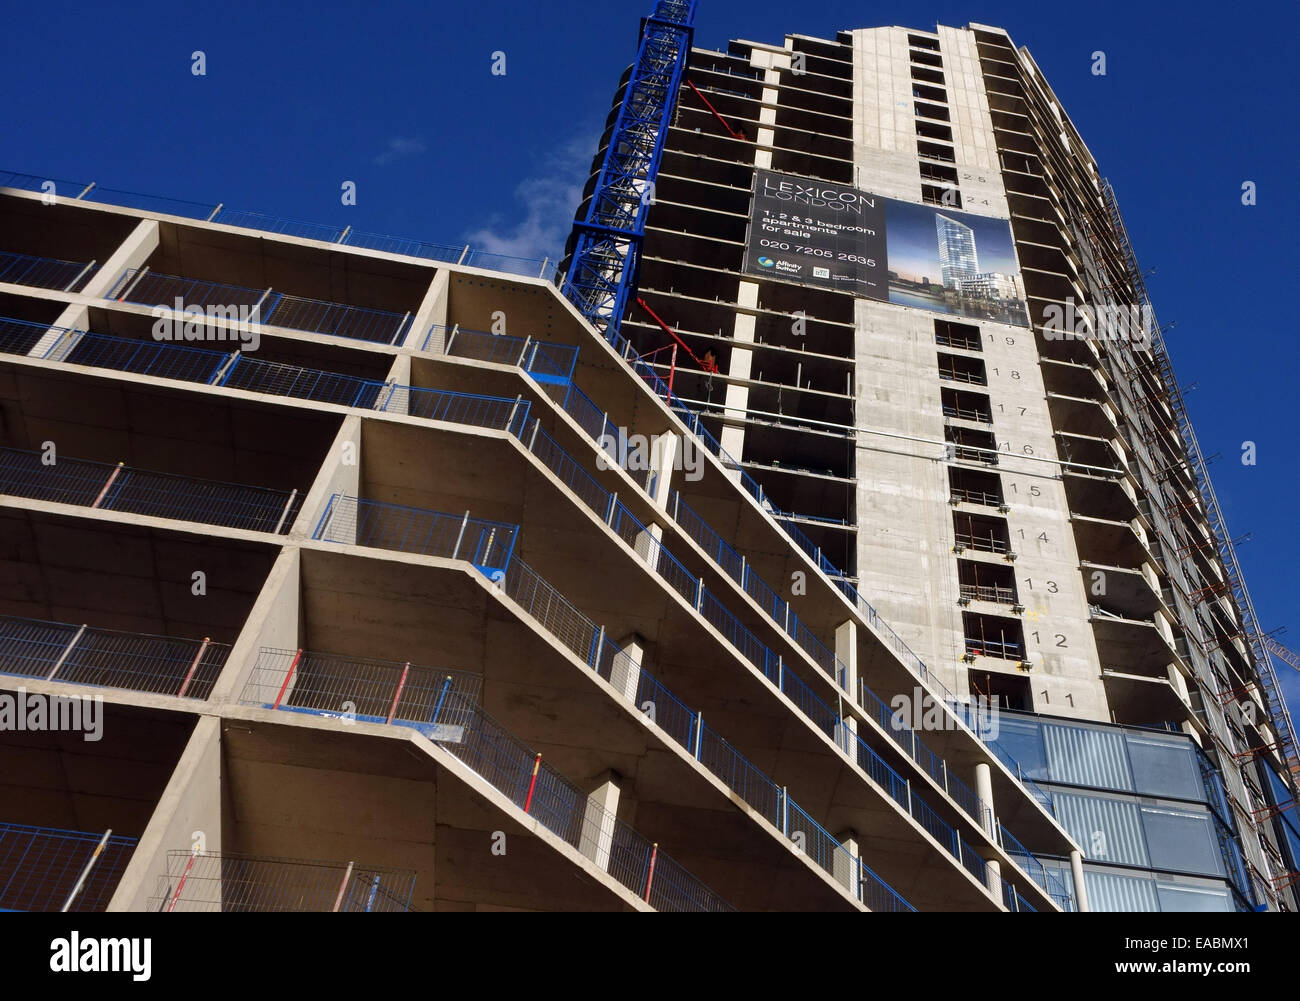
396, 400
846, 651
433, 310
598, 820
737, 399
993, 877
1080, 888
662, 459
131, 253
984, 790
845, 868
188, 813
275, 621
340, 474
625, 675
662, 456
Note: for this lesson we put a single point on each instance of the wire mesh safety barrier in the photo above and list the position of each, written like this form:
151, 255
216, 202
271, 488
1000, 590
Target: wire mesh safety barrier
108, 658
661, 560
443, 705
41, 868
511, 415
261, 306
595, 423
542, 358
499, 413
465, 255
1050, 882
379, 525
487, 544
432, 534
235, 882
109, 487
45, 272
344, 235
361, 689
589, 417
563, 809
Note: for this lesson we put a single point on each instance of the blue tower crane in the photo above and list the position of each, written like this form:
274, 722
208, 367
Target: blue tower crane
605, 261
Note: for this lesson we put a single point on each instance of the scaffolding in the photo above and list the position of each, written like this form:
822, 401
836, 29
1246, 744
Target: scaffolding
1257, 642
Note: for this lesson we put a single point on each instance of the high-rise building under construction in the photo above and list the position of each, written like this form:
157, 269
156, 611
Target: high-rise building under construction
825, 533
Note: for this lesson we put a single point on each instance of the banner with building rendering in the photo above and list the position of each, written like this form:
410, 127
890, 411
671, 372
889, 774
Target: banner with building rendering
837, 237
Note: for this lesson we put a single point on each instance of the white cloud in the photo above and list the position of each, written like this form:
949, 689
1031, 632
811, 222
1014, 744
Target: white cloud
549, 198
399, 147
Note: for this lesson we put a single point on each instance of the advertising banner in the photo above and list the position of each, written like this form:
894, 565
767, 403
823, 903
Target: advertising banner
836, 237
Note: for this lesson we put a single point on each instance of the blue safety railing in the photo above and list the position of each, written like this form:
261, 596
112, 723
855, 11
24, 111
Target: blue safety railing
493, 412
1049, 881
241, 372
660, 558
40, 867
1014, 901
232, 370
510, 415
465, 408
109, 487
516, 770
589, 642
433, 533
543, 360
460, 254
487, 544
596, 424
44, 272
265, 307
443, 705
108, 658
378, 525
979, 726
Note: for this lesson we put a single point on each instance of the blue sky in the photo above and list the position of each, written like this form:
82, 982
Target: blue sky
399, 98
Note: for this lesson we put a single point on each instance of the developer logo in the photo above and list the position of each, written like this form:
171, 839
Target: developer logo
765, 262
102, 955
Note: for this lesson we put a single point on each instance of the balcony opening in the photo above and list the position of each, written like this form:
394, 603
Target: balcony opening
931, 130
934, 151
974, 486
934, 172
986, 582
925, 59
932, 194
929, 76
929, 93
921, 42
957, 335
980, 533
966, 405
959, 368
993, 636
924, 110
1006, 691
970, 445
